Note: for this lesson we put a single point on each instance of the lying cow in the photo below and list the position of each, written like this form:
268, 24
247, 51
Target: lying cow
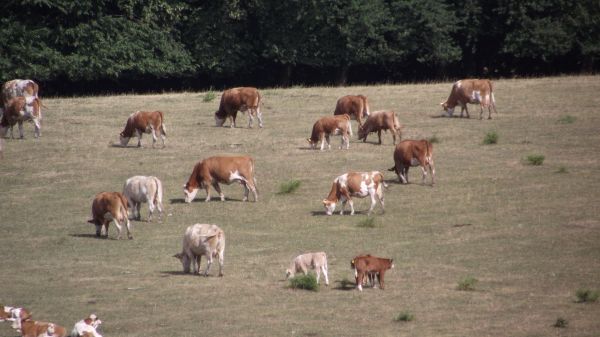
324, 127
139, 189
14, 315
18, 110
355, 184
141, 122
378, 121
239, 99
110, 207
367, 264
302, 263
221, 169
357, 107
31, 328
202, 240
473, 92
87, 327
413, 153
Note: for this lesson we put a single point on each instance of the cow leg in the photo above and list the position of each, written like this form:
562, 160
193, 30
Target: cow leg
259, 116
198, 261
250, 118
21, 135
207, 188
381, 273
343, 206
138, 207
359, 279
324, 270
345, 141
217, 188
118, 229
379, 135
139, 135
318, 272
373, 202
38, 129
208, 264
404, 174
150, 209
221, 260
351, 203
154, 138
328, 142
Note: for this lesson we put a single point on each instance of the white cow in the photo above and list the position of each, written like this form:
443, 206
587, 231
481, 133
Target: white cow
316, 261
199, 240
139, 189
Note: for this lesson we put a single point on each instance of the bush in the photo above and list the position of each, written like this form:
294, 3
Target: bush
568, 119
535, 159
307, 282
490, 138
368, 222
562, 169
209, 96
586, 295
561, 323
434, 139
467, 284
405, 316
289, 187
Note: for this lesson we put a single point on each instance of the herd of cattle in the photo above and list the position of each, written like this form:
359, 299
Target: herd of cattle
20, 102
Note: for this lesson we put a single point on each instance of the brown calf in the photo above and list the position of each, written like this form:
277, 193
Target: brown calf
413, 153
367, 264
326, 126
378, 121
141, 122
107, 207
357, 107
239, 99
471, 91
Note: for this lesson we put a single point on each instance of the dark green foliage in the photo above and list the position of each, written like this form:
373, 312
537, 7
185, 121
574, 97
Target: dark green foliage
289, 187
209, 96
307, 282
467, 284
535, 159
568, 119
587, 295
490, 138
561, 323
434, 139
405, 316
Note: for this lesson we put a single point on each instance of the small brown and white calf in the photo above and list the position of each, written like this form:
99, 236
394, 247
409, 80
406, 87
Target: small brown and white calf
31, 328
18, 110
413, 153
108, 207
367, 264
139, 189
141, 122
326, 126
14, 315
202, 240
356, 106
378, 121
355, 184
302, 263
239, 99
221, 169
473, 92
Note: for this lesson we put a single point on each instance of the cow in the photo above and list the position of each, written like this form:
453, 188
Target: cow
15, 88
87, 327
470, 91
316, 261
380, 120
367, 264
31, 328
356, 106
110, 207
202, 240
141, 122
239, 99
221, 169
324, 127
413, 153
139, 189
14, 315
355, 184
18, 110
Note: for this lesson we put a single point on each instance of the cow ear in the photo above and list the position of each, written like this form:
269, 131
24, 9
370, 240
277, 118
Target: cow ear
324, 201
91, 221
178, 256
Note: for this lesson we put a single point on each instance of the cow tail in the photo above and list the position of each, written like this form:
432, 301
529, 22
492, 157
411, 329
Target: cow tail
159, 193
163, 128
254, 176
349, 127
398, 127
367, 111
492, 97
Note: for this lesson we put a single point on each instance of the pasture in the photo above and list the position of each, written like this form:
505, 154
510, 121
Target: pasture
529, 234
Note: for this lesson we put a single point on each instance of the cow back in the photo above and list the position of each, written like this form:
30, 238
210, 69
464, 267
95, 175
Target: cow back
368, 263
351, 105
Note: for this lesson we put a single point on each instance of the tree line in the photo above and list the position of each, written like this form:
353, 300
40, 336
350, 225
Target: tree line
96, 46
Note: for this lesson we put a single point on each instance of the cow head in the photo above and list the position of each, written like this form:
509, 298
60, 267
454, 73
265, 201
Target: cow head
185, 261
189, 193
313, 145
362, 132
219, 121
329, 206
124, 140
288, 273
447, 109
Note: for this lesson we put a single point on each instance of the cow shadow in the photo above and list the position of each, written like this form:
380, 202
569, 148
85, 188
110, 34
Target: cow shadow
93, 236
168, 273
337, 212
451, 117
344, 285
201, 200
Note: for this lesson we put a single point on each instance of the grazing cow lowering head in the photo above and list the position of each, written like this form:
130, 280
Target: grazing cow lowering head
141, 122
355, 184
202, 240
470, 91
110, 207
327, 126
239, 99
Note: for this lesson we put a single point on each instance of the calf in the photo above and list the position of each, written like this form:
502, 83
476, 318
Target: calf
239, 99
31, 328
413, 153
139, 189
141, 122
355, 184
366, 264
316, 261
14, 315
87, 327
473, 92
357, 107
380, 120
107, 207
199, 240
220, 169
20, 109
326, 126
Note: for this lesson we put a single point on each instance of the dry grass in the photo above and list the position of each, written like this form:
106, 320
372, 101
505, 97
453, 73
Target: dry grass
533, 235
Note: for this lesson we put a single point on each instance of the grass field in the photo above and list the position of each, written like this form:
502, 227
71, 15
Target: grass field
530, 235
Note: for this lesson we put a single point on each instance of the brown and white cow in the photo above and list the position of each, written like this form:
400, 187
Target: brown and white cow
326, 126
141, 122
15, 88
302, 263
413, 153
378, 121
367, 264
473, 92
202, 240
14, 315
356, 106
18, 110
31, 328
110, 207
221, 169
355, 184
239, 99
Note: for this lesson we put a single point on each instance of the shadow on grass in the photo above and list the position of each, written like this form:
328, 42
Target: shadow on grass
93, 236
167, 273
344, 285
214, 199
451, 117
337, 212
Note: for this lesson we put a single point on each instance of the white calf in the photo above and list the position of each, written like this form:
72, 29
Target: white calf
139, 189
316, 261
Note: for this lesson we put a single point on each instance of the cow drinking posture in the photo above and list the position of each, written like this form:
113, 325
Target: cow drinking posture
221, 169
413, 153
470, 91
316, 261
239, 99
18, 110
356, 106
355, 184
139, 189
367, 264
107, 207
202, 240
378, 121
326, 126
141, 122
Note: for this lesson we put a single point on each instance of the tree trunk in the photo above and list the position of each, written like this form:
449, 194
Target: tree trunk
285, 78
342, 76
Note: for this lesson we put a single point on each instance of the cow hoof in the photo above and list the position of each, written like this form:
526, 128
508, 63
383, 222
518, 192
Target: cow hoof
221, 275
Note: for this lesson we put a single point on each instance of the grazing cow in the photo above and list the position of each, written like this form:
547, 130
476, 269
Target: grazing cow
139, 189
470, 91
357, 107
87, 327
326, 126
15, 88
221, 169
316, 261
107, 207
239, 99
380, 120
199, 240
367, 264
141, 122
413, 153
355, 184
18, 110
31, 328
15, 315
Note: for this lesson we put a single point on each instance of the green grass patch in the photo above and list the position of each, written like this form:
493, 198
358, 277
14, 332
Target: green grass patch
568, 119
562, 169
587, 295
405, 316
368, 222
306, 282
434, 139
289, 186
209, 96
535, 159
490, 138
467, 284
561, 323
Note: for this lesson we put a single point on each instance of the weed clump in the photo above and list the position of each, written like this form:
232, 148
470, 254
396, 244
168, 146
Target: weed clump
289, 187
586, 295
405, 316
490, 138
467, 284
434, 139
368, 222
561, 323
562, 169
209, 96
568, 119
535, 159
306, 282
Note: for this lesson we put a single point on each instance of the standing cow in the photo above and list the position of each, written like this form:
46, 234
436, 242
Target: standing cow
413, 153
139, 189
141, 122
108, 207
473, 92
356, 106
367, 264
316, 261
324, 127
355, 184
202, 240
18, 110
378, 121
239, 99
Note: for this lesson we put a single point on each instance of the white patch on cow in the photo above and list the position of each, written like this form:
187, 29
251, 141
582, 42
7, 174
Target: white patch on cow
233, 176
189, 196
343, 180
476, 96
329, 207
364, 188
458, 84
414, 162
